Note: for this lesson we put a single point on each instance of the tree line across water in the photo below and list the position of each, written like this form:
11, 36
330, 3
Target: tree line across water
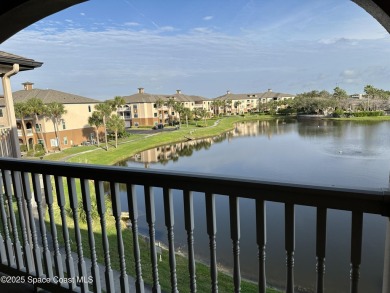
373, 102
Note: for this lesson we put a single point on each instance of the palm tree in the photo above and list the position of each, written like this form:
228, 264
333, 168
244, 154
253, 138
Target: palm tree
196, 113
55, 111
237, 105
116, 103
97, 121
159, 103
203, 114
228, 104
21, 111
179, 108
170, 103
35, 107
187, 113
116, 124
104, 111
215, 105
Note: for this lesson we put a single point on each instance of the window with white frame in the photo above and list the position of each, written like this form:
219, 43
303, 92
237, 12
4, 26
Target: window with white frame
54, 142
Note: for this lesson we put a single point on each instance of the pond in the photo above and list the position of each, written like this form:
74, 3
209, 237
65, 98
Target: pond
326, 153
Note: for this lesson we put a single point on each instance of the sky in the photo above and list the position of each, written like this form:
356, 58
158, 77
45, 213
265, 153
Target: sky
101, 49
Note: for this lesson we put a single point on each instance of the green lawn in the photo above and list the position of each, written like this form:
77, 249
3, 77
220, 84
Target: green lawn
126, 150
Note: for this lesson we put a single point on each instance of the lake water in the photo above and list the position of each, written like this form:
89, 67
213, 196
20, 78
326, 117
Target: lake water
327, 153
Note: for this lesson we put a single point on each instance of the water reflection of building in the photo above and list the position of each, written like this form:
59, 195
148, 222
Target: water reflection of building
169, 152
264, 127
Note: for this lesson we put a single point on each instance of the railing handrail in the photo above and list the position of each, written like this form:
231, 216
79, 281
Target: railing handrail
373, 201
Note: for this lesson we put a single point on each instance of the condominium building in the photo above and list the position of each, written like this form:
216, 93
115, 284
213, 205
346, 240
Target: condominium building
73, 128
146, 109
244, 103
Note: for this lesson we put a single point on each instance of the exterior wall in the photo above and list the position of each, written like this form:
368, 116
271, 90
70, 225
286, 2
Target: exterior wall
3, 117
76, 117
73, 137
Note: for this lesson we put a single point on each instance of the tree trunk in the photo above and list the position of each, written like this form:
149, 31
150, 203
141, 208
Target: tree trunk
116, 139
97, 136
40, 131
25, 134
105, 132
57, 131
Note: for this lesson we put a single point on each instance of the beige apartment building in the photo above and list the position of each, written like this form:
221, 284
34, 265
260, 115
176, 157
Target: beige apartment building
73, 129
141, 108
244, 103
3, 114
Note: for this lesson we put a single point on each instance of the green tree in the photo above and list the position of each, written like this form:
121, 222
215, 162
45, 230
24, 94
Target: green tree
54, 111
21, 111
203, 115
179, 108
237, 106
339, 94
104, 111
116, 124
187, 114
370, 92
159, 104
170, 103
116, 103
96, 120
35, 108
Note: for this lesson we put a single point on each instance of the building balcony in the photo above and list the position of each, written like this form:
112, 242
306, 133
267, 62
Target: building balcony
29, 132
59, 222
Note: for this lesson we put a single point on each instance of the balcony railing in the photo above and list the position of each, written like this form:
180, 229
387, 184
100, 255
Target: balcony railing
52, 186
5, 142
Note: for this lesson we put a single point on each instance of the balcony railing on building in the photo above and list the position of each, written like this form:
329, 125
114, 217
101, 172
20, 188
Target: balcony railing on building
5, 142
37, 199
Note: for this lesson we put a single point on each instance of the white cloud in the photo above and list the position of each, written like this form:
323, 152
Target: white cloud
131, 24
106, 61
209, 17
82, 13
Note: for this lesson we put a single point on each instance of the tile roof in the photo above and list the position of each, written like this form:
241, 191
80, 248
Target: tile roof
265, 95
48, 96
152, 98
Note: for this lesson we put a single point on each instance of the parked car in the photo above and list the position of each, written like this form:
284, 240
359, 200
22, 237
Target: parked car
158, 126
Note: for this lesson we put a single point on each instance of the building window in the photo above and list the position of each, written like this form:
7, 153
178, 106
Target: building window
134, 106
155, 114
136, 124
63, 124
173, 113
135, 115
38, 127
65, 140
154, 106
1, 113
40, 141
89, 109
54, 142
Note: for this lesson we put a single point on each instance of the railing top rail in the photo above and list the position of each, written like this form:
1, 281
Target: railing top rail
375, 201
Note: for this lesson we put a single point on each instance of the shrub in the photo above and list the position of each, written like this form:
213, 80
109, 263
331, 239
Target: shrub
38, 147
338, 113
23, 148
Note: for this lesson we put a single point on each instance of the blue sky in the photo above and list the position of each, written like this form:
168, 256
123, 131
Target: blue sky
101, 49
